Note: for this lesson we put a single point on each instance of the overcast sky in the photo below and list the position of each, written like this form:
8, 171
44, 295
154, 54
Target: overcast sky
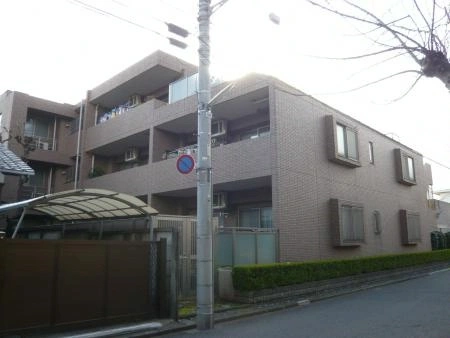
58, 49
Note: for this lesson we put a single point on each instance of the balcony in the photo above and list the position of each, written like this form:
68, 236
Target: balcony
40, 130
189, 150
125, 153
134, 181
39, 142
31, 191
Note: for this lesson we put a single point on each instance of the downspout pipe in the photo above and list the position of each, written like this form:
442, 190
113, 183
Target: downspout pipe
77, 157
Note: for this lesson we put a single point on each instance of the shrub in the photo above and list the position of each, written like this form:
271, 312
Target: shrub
266, 276
447, 237
439, 241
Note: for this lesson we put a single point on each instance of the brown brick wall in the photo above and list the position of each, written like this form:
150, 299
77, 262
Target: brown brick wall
306, 180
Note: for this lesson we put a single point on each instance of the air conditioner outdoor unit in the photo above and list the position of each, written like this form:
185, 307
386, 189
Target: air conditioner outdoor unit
43, 145
218, 128
131, 154
219, 200
135, 100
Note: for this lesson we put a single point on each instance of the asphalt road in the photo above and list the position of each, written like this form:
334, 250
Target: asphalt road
415, 308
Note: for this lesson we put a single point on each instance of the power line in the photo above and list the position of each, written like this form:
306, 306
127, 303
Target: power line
436, 162
171, 27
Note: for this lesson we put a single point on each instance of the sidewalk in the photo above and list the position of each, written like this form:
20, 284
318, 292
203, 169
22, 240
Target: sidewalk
239, 311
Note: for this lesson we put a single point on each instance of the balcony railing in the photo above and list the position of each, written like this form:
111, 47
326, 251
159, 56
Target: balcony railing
30, 191
190, 150
39, 142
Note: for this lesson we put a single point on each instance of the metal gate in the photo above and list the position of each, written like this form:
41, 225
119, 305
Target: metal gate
52, 283
186, 260
185, 228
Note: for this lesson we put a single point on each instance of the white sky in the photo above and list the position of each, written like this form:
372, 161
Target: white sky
55, 49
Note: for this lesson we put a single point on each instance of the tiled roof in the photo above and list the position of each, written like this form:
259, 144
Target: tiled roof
11, 164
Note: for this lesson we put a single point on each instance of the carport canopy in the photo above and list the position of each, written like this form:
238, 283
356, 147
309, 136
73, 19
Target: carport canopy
84, 204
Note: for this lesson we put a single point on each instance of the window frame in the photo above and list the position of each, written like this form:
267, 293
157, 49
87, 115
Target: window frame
338, 231
402, 167
371, 153
376, 222
260, 210
255, 132
334, 153
409, 234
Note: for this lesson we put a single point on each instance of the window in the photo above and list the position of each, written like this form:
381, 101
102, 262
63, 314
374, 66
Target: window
347, 223
255, 133
346, 142
376, 221
70, 174
410, 227
405, 167
255, 217
371, 158
410, 168
342, 142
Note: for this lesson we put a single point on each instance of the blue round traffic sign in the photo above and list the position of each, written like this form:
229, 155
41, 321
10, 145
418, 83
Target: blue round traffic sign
185, 164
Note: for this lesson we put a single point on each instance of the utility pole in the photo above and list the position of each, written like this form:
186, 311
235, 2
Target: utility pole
205, 283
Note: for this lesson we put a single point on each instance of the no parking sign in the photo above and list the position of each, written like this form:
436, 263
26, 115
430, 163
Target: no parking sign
185, 164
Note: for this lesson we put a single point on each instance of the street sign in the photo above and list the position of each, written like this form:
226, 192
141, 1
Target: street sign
185, 164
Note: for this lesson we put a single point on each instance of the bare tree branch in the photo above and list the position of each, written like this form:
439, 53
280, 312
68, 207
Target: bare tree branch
409, 89
430, 44
385, 78
378, 63
391, 49
430, 55
395, 33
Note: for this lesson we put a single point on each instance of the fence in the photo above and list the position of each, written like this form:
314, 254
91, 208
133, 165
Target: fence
238, 246
51, 283
232, 246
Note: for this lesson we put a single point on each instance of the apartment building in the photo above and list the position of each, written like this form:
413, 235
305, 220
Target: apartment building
332, 186
37, 130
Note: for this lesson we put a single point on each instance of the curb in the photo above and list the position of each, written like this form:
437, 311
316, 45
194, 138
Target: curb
262, 309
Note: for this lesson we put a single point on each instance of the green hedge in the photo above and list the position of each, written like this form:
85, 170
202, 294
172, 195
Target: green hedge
257, 277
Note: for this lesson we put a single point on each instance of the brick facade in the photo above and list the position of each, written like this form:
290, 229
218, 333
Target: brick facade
288, 169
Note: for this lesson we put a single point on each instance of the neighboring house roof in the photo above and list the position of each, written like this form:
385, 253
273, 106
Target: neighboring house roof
85, 204
11, 164
444, 195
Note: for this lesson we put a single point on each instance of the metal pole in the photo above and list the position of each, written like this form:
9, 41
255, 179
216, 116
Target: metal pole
19, 223
77, 158
205, 287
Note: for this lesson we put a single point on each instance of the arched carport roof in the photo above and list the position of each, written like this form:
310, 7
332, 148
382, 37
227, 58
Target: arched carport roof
85, 204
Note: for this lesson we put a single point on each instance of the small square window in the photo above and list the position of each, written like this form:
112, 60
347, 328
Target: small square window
405, 167
342, 143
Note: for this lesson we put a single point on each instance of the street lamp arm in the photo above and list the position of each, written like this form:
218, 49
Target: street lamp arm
224, 90
218, 5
